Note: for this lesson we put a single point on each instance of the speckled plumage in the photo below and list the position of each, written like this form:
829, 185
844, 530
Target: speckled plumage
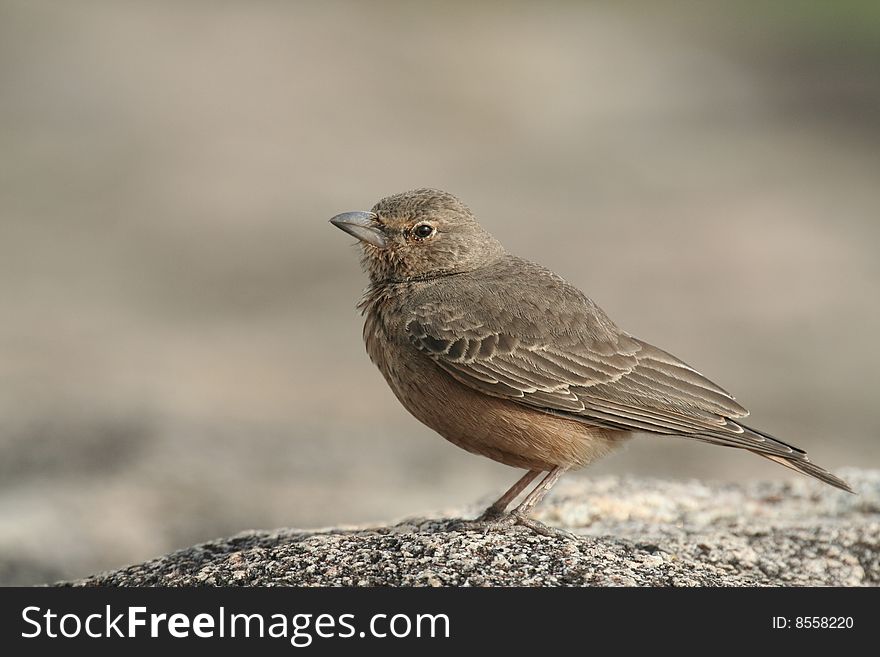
504, 358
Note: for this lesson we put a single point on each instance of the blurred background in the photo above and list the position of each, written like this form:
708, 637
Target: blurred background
180, 357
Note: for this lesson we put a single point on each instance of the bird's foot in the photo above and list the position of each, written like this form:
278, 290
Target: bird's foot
540, 528
491, 521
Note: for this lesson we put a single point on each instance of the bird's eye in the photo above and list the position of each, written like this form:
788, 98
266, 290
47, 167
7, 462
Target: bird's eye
423, 231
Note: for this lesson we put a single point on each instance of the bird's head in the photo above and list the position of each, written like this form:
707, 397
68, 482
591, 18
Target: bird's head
420, 234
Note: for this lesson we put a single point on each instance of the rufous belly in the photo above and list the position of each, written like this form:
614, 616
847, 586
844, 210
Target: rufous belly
499, 429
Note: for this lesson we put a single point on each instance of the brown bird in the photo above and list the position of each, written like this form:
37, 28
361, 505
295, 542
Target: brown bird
504, 358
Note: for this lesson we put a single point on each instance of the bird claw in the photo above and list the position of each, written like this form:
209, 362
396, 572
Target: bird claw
491, 521
498, 523
542, 529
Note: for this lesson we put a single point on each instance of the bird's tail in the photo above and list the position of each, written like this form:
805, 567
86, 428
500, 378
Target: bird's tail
804, 466
799, 462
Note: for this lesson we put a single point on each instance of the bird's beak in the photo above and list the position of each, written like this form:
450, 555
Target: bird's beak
361, 225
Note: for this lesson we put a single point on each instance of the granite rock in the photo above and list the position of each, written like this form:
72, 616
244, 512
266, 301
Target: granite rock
623, 532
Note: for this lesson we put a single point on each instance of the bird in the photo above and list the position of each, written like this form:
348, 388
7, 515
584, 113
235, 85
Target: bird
505, 359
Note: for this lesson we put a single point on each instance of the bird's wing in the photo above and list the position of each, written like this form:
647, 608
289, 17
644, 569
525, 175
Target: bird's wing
606, 377
559, 353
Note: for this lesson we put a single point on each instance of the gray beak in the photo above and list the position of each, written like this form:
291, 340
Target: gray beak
360, 224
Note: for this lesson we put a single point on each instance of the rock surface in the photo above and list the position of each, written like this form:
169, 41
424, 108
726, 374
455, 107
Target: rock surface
625, 532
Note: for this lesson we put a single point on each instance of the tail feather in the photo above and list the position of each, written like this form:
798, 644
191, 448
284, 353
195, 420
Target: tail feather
770, 447
798, 461
804, 466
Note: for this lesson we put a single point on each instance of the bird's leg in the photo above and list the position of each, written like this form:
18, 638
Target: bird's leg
519, 516
539, 491
500, 505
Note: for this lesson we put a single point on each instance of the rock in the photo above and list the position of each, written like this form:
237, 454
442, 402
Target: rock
625, 532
